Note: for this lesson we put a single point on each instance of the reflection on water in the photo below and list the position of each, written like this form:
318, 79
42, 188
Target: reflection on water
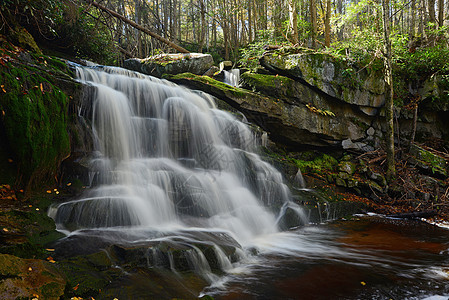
371, 258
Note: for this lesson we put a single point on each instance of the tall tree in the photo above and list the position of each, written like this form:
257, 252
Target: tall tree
327, 26
388, 90
293, 20
313, 22
440, 13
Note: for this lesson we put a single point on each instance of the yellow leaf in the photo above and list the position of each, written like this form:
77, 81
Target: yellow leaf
42, 87
5, 229
49, 191
363, 283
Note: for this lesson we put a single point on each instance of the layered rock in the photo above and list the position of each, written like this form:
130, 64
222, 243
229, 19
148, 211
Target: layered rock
306, 119
158, 65
334, 77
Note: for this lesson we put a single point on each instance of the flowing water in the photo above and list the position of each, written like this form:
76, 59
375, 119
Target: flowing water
232, 77
175, 176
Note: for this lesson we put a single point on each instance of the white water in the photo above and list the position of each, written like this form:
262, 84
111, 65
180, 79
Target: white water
232, 77
168, 159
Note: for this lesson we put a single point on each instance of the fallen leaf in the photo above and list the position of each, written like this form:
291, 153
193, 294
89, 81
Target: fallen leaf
30, 269
363, 283
3, 88
50, 249
49, 191
5, 229
42, 87
76, 287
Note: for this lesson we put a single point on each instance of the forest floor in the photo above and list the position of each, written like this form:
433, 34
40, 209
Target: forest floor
414, 193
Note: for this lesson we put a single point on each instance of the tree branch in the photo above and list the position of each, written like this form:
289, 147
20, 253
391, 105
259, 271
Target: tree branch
137, 26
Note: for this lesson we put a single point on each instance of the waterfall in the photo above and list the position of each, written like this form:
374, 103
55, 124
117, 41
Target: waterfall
232, 77
168, 160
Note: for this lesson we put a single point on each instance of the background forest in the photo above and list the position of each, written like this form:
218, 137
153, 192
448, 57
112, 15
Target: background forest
231, 29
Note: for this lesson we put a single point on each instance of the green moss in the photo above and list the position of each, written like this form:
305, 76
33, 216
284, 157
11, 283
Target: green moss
207, 80
318, 165
34, 120
268, 84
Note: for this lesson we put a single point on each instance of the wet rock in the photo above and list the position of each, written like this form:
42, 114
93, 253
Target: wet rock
196, 63
291, 216
29, 278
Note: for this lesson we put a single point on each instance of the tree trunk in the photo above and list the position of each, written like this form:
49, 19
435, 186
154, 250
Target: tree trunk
431, 10
412, 20
340, 13
293, 20
388, 91
313, 22
203, 26
327, 25
440, 13
250, 24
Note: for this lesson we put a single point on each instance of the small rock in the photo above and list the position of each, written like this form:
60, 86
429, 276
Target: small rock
347, 167
225, 65
378, 178
340, 182
212, 71
370, 131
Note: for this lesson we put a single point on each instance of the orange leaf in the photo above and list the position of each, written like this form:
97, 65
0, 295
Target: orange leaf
42, 87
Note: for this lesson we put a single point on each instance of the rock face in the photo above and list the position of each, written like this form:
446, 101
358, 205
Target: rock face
334, 77
289, 120
158, 65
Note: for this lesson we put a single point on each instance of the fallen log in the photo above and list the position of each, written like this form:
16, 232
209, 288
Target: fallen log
415, 215
137, 26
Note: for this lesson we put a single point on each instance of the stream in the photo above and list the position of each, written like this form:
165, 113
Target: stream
181, 205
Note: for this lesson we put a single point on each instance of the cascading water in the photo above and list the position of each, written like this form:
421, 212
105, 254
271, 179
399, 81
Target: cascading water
177, 187
168, 161
232, 77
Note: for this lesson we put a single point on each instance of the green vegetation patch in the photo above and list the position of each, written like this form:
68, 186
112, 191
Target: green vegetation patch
320, 164
33, 117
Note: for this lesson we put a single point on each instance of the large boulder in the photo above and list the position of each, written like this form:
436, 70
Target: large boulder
157, 65
332, 76
292, 122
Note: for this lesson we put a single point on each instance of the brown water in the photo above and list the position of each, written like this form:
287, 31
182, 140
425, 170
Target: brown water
367, 258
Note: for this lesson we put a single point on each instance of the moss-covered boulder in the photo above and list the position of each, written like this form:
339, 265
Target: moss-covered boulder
29, 278
34, 116
332, 76
429, 161
196, 63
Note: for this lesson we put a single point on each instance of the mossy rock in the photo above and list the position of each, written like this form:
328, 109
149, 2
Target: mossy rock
196, 63
428, 161
29, 278
333, 76
34, 118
